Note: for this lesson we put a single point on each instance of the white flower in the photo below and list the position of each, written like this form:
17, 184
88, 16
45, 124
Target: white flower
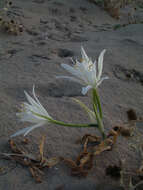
86, 72
32, 112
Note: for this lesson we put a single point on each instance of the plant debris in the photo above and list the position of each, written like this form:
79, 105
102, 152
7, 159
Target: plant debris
93, 146
82, 165
9, 24
113, 8
84, 161
34, 163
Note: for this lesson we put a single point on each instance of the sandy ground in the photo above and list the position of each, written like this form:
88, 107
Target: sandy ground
54, 31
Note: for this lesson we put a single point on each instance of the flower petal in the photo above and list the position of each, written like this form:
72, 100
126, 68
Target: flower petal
101, 80
26, 130
32, 128
30, 99
100, 64
40, 105
29, 117
85, 89
70, 69
84, 55
74, 71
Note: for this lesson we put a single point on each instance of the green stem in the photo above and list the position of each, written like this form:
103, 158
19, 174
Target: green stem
71, 124
96, 101
97, 107
99, 121
65, 124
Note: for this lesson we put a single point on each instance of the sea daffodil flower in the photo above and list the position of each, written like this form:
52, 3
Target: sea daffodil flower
86, 72
32, 112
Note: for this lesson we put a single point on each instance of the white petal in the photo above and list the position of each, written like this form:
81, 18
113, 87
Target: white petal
101, 80
85, 89
32, 128
26, 130
100, 64
84, 55
29, 117
94, 68
31, 109
70, 69
30, 99
20, 132
40, 105
76, 72
33, 92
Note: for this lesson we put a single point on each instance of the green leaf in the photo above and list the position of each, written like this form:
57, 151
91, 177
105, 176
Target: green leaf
90, 113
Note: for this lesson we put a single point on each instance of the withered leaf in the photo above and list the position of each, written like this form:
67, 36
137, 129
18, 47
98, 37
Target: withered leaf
36, 174
87, 138
50, 162
84, 158
70, 162
103, 146
14, 147
41, 147
80, 172
25, 141
82, 165
33, 162
91, 138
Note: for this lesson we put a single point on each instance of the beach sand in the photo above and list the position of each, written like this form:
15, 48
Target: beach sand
54, 31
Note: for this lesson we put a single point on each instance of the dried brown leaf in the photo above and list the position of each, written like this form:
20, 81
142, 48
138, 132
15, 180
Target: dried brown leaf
34, 164
23, 156
103, 146
14, 147
91, 138
83, 158
87, 138
36, 174
82, 165
70, 162
51, 162
25, 141
80, 172
41, 148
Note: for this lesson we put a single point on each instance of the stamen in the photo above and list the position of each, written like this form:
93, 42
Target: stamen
81, 60
90, 66
22, 108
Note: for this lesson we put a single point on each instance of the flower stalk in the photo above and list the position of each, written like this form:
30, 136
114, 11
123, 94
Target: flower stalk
96, 101
66, 124
98, 112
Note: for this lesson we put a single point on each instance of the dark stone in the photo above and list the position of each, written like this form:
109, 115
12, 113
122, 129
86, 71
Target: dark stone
65, 53
113, 171
131, 114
